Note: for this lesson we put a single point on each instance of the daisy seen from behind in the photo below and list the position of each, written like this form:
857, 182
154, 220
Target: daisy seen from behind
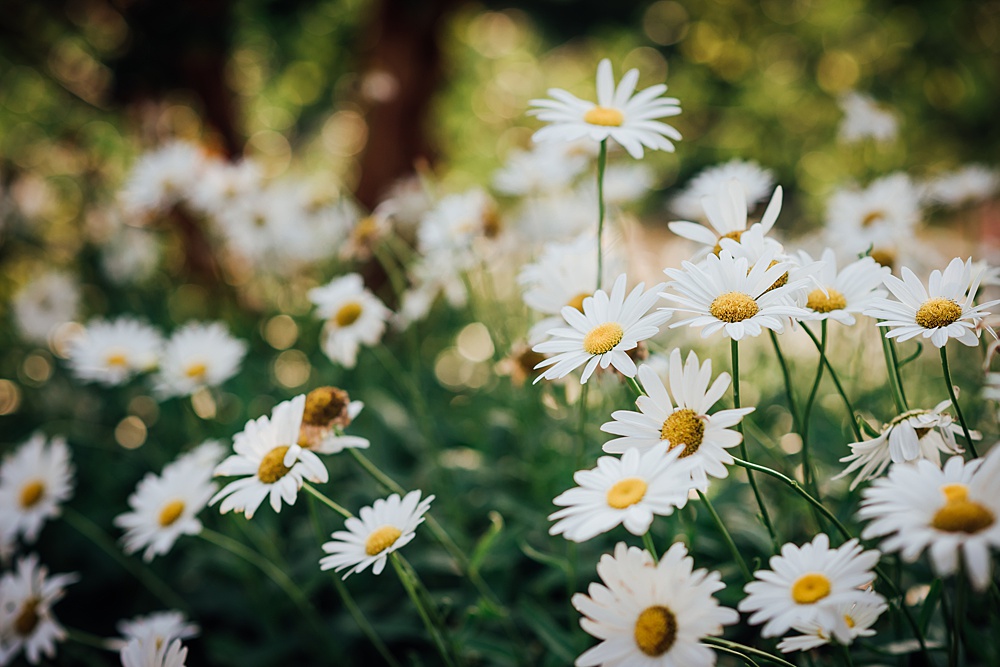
808, 584
951, 512
628, 119
651, 614
328, 411
628, 491
198, 355
388, 525
354, 316
27, 595
680, 418
944, 309
726, 214
859, 616
842, 294
35, 480
112, 352
269, 461
602, 333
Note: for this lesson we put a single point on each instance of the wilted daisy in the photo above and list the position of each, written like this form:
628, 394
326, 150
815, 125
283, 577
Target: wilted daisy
808, 584
378, 530
198, 355
44, 303
950, 511
139, 653
353, 316
619, 115
34, 480
270, 461
628, 491
725, 293
863, 117
859, 616
726, 214
841, 294
26, 622
163, 177
111, 352
328, 411
913, 435
945, 309
161, 627
702, 438
651, 614
756, 181
971, 184
165, 507
602, 333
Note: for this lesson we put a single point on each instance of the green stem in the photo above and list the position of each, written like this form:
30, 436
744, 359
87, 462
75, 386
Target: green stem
325, 500
894, 353
647, 541
635, 386
602, 158
840, 387
749, 650
737, 556
88, 639
848, 660
431, 622
894, 381
954, 402
747, 660
789, 393
955, 653
807, 472
159, 588
735, 349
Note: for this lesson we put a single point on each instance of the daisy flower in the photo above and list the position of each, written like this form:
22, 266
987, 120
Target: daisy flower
379, 530
328, 411
713, 182
628, 491
113, 352
859, 616
808, 584
457, 222
163, 177
951, 511
198, 355
651, 614
969, 185
161, 627
863, 117
545, 168
944, 310
26, 622
43, 304
140, 653
34, 480
165, 507
913, 435
222, 184
607, 328
844, 293
270, 462
726, 214
619, 115
726, 294
702, 438
353, 316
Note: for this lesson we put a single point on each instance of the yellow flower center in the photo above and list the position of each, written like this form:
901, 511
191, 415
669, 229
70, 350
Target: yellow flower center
872, 218
325, 405
196, 370
850, 621
728, 235
780, 282
938, 312
348, 314
577, 301
810, 588
27, 620
959, 514
117, 359
825, 303
733, 307
655, 630
381, 539
684, 427
171, 512
272, 466
604, 116
626, 492
603, 338
31, 493
883, 257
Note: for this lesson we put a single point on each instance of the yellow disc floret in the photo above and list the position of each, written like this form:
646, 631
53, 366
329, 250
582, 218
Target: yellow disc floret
196, 370
326, 406
31, 493
603, 338
728, 235
117, 359
938, 312
826, 302
684, 427
577, 301
27, 619
655, 630
381, 539
626, 492
959, 514
733, 307
272, 466
171, 512
604, 117
810, 588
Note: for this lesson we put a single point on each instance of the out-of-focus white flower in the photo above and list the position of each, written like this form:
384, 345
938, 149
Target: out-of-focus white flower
139, 653
353, 316
26, 621
49, 300
556, 217
456, 222
726, 214
624, 183
198, 355
130, 255
860, 617
222, 184
35, 479
545, 169
863, 118
970, 184
162, 178
160, 628
112, 352
757, 182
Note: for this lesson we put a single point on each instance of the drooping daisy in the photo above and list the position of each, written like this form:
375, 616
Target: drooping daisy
163, 177
198, 355
607, 328
112, 352
353, 315
26, 622
951, 511
971, 184
725, 293
859, 616
945, 309
702, 438
863, 118
139, 653
808, 584
328, 411
386, 526
628, 119
651, 614
34, 480
161, 627
911, 436
270, 461
44, 303
726, 214
713, 181
164, 507
628, 491
841, 294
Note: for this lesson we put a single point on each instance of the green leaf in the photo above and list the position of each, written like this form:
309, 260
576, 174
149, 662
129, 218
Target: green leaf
486, 542
558, 641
